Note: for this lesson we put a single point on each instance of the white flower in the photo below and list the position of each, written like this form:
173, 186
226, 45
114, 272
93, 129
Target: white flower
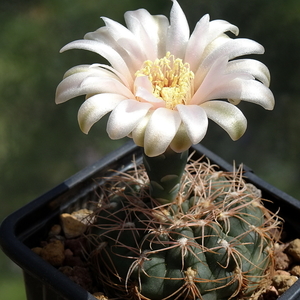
163, 84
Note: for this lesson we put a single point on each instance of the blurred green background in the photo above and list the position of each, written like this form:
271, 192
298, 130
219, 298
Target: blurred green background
41, 144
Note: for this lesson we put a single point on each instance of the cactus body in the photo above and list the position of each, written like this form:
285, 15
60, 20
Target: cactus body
212, 243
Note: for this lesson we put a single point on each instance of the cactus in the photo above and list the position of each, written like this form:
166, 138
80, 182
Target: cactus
213, 241
174, 231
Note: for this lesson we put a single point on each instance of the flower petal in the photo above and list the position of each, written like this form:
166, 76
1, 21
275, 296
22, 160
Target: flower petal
160, 131
90, 69
204, 33
117, 74
146, 96
181, 142
178, 32
218, 27
95, 107
69, 87
228, 116
125, 117
161, 34
144, 82
195, 120
247, 90
132, 56
197, 43
231, 48
143, 91
150, 31
225, 47
89, 83
108, 52
103, 36
138, 133
215, 80
125, 38
250, 66
105, 85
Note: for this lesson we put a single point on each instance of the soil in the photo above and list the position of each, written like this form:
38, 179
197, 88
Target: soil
66, 249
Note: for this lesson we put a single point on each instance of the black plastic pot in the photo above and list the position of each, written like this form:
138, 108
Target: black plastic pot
29, 225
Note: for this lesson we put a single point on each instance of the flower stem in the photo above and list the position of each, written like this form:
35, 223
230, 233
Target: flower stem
165, 172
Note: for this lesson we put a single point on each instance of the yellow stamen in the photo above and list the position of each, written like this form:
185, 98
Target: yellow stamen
172, 80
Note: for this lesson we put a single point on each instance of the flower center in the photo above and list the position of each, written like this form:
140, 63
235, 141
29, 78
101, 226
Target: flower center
172, 80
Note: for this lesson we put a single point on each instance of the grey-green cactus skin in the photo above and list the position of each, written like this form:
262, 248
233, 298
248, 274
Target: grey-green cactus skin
165, 173
213, 243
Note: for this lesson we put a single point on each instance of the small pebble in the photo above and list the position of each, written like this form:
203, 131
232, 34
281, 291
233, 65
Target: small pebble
282, 260
37, 250
296, 270
100, 296
68, 252
294, 249
72, 226
54, 253
282, 273
55, 230
283, 282
82, 215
